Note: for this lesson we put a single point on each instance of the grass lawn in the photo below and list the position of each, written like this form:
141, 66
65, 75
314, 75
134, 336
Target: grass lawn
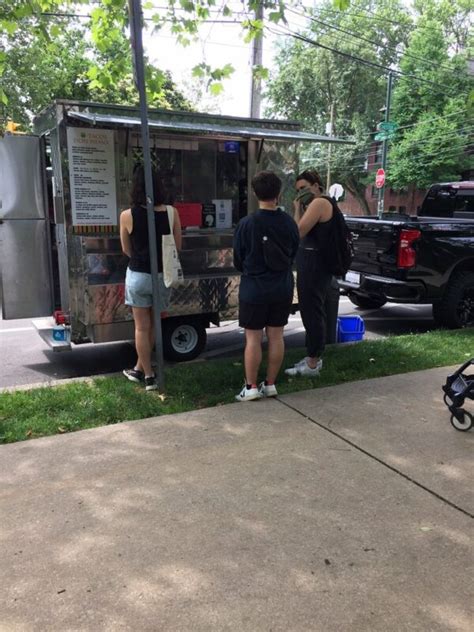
75, 406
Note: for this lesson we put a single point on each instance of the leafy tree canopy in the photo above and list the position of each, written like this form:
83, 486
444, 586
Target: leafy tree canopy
435, 121
43, 60
427, 48
108, 24
310, 80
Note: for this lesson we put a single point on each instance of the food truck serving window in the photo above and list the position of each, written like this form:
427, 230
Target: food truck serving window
206, 179
205, 161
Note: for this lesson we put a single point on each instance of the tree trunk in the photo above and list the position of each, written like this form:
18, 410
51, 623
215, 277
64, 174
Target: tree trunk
357, 189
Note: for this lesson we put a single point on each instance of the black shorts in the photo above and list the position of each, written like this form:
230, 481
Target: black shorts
259, 316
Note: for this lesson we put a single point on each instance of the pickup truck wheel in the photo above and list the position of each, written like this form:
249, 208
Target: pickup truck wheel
183, 339
456, 308
366, 302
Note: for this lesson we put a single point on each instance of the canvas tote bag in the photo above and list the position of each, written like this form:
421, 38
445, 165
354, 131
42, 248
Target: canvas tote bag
172, 271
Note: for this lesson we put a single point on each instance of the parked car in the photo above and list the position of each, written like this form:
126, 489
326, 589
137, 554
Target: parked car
428, 258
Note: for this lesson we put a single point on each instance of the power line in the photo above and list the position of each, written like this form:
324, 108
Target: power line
437, 118
89, 16
360, 60
453, 152
355, 159
442, 137
369, 41
374, 154
377, 19
308, 40
441, 151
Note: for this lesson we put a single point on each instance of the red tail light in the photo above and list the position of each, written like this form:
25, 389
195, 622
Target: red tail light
406, 253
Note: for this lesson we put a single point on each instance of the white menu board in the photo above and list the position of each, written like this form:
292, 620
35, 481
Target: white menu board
92, 176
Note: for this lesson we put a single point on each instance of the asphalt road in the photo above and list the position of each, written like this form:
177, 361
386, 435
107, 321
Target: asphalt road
26, 359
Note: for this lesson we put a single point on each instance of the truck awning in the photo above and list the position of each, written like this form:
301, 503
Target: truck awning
237, 131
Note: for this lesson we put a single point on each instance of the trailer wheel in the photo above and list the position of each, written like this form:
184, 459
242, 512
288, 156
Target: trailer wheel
456, 308
464, 424
183, 338
366, 302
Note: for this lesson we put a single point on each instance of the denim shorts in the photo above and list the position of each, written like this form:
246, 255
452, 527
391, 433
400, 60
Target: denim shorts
138, 290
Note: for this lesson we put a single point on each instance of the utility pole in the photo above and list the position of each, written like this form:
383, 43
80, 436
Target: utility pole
331, 123
136, 24
257, 58
380, 205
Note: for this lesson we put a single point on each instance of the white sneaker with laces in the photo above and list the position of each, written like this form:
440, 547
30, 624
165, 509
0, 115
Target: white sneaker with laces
305, 370
267, 390
248, 394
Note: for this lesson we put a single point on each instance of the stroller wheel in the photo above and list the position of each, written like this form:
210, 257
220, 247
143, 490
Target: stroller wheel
447, 401
465, 424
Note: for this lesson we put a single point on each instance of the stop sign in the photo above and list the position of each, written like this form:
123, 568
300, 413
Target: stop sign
380, 178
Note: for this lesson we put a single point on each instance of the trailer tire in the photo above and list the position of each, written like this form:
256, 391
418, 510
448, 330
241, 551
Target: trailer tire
456, 308
183, 338
366, 302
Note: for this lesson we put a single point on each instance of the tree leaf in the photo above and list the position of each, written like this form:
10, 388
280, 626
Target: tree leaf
342, 5
216, 88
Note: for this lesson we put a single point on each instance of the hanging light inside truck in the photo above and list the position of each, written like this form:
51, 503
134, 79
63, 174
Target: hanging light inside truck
406, 253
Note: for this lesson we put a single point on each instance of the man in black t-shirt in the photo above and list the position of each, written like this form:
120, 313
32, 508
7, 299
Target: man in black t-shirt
265, 246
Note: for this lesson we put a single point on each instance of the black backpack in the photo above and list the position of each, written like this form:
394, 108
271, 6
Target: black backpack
276, 256
338, 249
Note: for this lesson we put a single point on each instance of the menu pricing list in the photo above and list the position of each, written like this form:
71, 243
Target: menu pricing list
91, 155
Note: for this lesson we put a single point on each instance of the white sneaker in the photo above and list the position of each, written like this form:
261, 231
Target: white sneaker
267, 390
304, 369
302, 362
248, 394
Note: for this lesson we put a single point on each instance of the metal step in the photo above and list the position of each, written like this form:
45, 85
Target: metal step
45, 328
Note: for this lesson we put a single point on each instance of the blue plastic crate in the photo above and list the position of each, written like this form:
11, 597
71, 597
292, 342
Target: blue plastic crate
350, 328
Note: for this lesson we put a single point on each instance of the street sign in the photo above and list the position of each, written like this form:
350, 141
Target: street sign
387, 126
382, 136
380, 178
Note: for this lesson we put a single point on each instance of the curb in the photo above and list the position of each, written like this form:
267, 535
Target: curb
52, 383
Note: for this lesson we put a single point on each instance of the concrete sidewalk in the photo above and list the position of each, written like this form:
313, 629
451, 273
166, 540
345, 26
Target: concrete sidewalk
340, 509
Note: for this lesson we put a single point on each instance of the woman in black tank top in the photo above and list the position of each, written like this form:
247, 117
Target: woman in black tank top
138, 282
314, 216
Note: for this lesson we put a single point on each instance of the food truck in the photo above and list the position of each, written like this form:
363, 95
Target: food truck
61, 193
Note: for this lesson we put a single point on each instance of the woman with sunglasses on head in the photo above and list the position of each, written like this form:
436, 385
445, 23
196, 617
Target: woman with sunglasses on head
313, 215
138, 283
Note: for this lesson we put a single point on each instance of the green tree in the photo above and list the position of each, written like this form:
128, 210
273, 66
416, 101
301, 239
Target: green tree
310, 80
109, 21
435, 126
35, 75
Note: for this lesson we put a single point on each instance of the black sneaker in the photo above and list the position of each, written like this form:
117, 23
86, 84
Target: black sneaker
150, 383
134, 375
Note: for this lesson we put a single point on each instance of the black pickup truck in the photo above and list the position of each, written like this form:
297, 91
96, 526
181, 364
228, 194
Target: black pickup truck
428, 258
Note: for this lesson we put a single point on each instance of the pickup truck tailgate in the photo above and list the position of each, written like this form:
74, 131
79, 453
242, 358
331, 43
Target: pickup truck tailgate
375, 245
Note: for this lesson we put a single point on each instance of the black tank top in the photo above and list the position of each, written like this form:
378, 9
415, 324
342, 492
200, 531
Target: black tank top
140, 259
320, 232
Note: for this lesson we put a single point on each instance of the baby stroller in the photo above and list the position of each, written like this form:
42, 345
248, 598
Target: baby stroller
458, 388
